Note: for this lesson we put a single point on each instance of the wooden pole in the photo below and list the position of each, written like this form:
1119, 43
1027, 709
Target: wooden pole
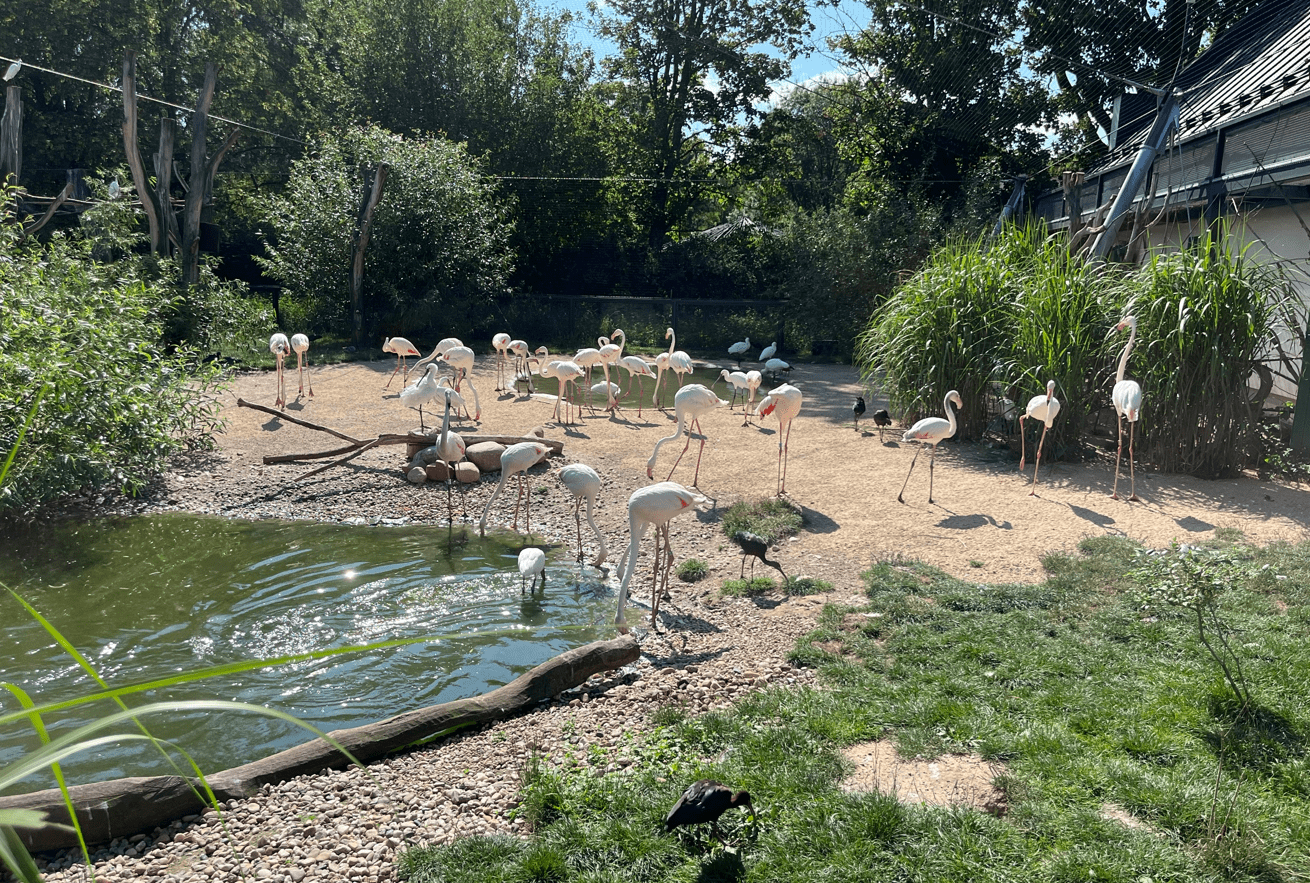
374, 180
11, 135
168, 235
196, 190
133, 151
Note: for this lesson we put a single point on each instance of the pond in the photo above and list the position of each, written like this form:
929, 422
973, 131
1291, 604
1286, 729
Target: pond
146, 597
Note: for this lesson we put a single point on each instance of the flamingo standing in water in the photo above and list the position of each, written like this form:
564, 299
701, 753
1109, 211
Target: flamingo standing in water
1043, 408
450, 448
589, 358
403, 350
564, 371
584, 483
515, 460
279, 346
691, 402
610, 353
300, 343
655, 504
931, 431
522, 371
1127, 398
531, 563
786, 400
501, 343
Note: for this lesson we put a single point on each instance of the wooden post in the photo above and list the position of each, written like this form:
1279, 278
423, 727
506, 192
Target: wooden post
11, 135
169, 239
133, 151
1072, 185
196, 190
374, 180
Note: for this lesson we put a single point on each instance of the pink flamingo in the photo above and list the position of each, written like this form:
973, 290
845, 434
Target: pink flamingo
279, 346
691, 402
931, 431
1043, 408
786, 400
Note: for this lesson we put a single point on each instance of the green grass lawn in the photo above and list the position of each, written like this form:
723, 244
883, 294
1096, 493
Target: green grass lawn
1088, 694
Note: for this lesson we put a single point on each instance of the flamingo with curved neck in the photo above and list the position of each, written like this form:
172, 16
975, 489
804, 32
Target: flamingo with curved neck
1127, 398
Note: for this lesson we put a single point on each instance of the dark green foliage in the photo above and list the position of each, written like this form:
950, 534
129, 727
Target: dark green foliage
90, 338
771, 519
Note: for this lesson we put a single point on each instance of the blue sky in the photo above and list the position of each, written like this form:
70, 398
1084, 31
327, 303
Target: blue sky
850, 16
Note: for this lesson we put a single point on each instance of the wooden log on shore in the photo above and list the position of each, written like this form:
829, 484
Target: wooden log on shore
122, 807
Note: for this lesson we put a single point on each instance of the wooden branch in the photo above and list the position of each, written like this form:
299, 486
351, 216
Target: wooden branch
391, 438
122, 807
50, 212
326, 466
133, 151
242, 403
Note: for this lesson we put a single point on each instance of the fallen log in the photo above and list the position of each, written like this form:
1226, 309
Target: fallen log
282, 415
556, 447
122, 807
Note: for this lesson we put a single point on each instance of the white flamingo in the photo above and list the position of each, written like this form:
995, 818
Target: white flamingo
931, 431
300, 343
637, 367
517, 459
460, 359
501, 344
753, 381
739, 382
438, 351
279, 346
739, 349
1127, 398
588, 358
519, 349
584, 483
655, 504
403, 350
786, 400
679, 362
450, 448
691, 402
531, 563
564, 371
661, 365
1043, 408
610, 353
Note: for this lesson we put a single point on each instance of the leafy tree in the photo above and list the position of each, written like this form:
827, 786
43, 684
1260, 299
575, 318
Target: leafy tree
688, 73
438, 249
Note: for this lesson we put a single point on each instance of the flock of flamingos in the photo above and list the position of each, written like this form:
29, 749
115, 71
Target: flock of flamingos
657, 504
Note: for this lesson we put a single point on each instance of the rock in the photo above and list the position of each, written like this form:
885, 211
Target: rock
466, 472
438, 471
485, 455
417, 475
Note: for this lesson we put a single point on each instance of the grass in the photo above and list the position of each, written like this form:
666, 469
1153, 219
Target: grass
693, 570
1079, 694
761, 585
771, 519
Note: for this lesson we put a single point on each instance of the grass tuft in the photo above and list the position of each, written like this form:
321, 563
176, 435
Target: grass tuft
771, 519
693, 570
738, 588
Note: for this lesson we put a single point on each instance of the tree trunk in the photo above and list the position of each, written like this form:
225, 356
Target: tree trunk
374, 180
11, 136
196, 191
169, 239
133, 151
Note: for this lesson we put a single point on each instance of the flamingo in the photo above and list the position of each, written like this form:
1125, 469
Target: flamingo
679, 362
769, 352
501, 343
931, 431
753, 381
610, 353
564, 371
691, 402
532, 562
1127, 398
300, 343
279, 346
786, 400
661, 365
738, 349
584, 483
1043, 408
610, 390
403, 350
739, 382
519, 348
655, 504
460, 360
516, 459
427, 388
438, 351
589, 358
450, 447
636, 367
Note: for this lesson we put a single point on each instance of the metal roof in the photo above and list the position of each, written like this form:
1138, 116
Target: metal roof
1255, 68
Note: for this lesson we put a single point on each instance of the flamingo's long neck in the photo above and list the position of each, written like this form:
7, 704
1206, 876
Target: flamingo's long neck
445, 424
1123, 360
950, 413
682, 419
600, 537
623, 341
673, 342
637, 529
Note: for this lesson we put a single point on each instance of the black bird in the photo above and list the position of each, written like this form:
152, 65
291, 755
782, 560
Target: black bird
754, 544
858, 410
883, 419
705, 801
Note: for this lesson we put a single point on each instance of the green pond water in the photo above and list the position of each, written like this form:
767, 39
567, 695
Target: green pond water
143, 598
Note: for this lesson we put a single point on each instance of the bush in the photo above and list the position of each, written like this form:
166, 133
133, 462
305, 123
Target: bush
90, 335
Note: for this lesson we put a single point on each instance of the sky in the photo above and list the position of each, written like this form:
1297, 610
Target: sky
849, 16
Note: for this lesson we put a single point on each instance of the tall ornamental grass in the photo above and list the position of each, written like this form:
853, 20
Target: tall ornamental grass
944, 329
1204, 315
1055, 331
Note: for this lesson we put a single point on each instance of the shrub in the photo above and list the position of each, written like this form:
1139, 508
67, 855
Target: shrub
693, 570
771, 519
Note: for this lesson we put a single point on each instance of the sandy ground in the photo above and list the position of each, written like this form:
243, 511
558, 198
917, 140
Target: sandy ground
983, 525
